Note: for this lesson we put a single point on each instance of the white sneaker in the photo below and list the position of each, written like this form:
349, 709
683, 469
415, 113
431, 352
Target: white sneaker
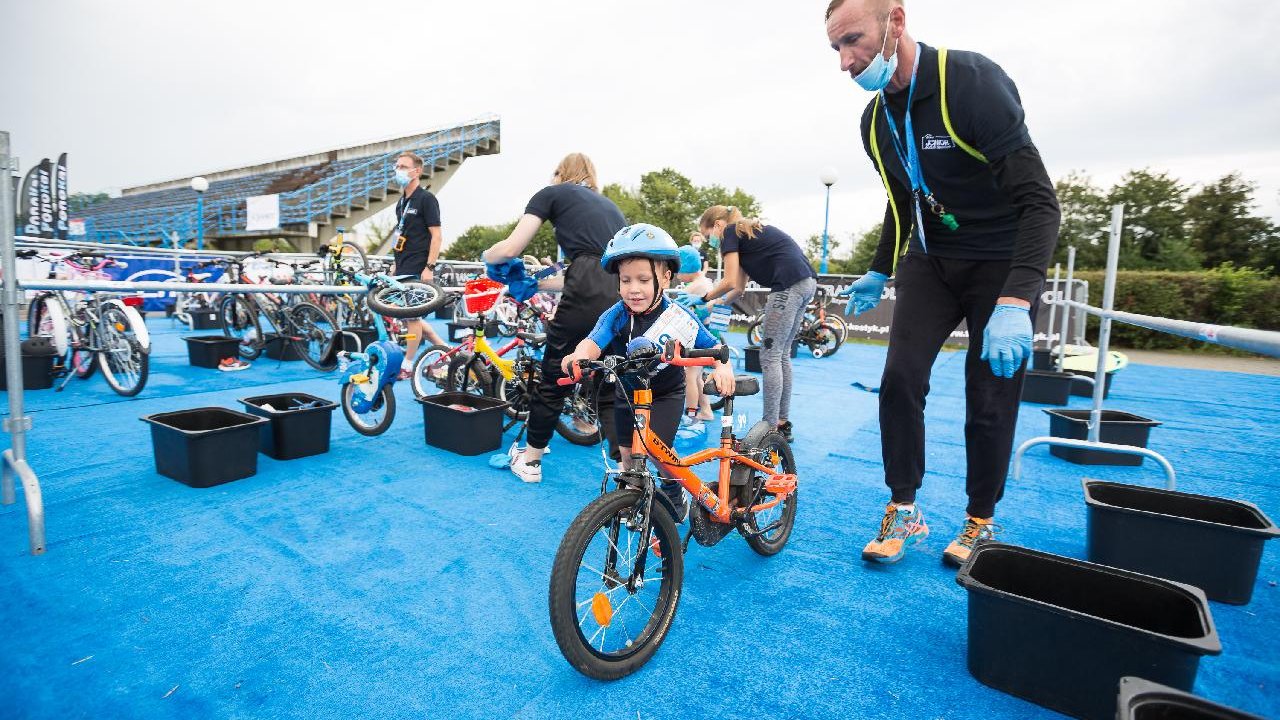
530, 472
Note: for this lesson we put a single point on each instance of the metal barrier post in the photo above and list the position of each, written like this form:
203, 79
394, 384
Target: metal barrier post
1104, 331
17, 424
1066, 313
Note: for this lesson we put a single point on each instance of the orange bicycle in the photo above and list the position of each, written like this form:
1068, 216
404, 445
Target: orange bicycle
616, 579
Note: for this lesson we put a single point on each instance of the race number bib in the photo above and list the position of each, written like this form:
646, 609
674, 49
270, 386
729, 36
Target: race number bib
674, 324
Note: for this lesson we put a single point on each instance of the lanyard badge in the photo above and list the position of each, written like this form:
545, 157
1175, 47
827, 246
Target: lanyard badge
909, 155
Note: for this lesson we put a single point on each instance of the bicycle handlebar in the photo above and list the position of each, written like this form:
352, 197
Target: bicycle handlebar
672, 355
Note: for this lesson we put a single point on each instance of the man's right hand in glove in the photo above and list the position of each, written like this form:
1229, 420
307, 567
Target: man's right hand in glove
864, 293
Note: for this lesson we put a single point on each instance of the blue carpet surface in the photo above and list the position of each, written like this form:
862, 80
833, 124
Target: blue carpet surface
390, 579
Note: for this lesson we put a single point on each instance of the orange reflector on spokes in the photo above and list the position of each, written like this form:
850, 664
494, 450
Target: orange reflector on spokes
602, 609
119, 327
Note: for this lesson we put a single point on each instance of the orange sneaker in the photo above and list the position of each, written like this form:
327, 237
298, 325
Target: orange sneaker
898, 528
975, 531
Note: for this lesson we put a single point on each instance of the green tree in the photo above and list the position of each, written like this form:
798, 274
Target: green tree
864, 249
79, 201
478, 238
674, 203
1154, 234
1221, 224
1085, 215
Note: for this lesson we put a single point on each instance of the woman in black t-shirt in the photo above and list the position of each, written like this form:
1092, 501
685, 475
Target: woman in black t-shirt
765, 254
584, 222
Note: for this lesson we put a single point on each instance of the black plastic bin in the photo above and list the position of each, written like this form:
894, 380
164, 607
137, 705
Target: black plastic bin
204, 320
38, 355
445, 311
1082, 388
1144, 700
1212, 543
462, 423
751, 359
207, 351
1119, 428
299, 424
356, 339
279, 347
1046, 387
1061, 632
1041, 359
205, 446
465, 328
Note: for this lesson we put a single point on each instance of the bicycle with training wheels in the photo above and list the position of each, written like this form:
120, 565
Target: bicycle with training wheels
618, 571
823, 334
484, 370
102, 330
369, 377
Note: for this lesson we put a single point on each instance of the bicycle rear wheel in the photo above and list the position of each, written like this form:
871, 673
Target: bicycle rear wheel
604, 629
125, 365
431, 371
46, 319
755, 333
412, 299
315, 330
823, 341
766, 531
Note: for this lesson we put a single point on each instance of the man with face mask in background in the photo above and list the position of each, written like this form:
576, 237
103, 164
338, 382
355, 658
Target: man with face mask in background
970, 226
417, 244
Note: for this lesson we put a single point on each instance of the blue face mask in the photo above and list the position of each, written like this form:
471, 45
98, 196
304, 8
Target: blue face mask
713, 241
402, 177
876, 76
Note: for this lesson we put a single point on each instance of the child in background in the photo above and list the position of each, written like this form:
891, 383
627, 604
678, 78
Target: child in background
697, 406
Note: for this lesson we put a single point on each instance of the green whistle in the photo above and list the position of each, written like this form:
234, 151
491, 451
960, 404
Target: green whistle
950, 221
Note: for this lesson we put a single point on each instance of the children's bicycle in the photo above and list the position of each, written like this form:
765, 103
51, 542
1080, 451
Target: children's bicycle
368, 377
616, 579
823, 334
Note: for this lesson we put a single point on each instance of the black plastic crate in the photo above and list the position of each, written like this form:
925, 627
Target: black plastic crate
38, 356
299, 424
356, 339
459, 330
1119, 428
462, 423
1061, 632
204, 319
1144, 700
751, 356
1212, 543
1041, 359
207, 446
279, 347
1082, 388
1046, 387
445, 311
207, 351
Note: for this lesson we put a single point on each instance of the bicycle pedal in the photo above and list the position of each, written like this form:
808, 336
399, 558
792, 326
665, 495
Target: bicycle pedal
781, 484
360, 379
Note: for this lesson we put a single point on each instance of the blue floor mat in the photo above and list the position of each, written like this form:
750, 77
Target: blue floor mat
390, 579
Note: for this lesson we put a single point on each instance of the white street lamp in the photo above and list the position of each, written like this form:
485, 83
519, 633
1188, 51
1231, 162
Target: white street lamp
828, 178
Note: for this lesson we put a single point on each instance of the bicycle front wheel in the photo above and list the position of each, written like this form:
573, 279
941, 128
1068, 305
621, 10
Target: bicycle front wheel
315, 332
125, 365
239, 319
412, 299
431, 371
606, 625
377, 418
755, 334
579, 423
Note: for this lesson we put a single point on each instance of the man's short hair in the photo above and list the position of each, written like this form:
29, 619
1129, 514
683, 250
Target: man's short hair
887, 4
417, 161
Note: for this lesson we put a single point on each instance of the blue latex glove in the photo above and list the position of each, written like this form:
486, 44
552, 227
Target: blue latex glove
695, 302
864, 293
684, 299
1006, 342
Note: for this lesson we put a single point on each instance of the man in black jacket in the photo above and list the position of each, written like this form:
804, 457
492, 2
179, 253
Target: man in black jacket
970, 226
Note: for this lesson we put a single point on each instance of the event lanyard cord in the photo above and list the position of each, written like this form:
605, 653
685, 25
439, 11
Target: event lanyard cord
909, 155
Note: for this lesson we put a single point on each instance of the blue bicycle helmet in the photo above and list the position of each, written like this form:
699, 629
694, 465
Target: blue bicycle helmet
690, 260
641, 240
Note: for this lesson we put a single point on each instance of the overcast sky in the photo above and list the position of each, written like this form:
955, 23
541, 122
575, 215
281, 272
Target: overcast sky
737, 92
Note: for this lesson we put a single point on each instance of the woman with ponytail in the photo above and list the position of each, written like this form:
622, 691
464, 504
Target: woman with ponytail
763, 253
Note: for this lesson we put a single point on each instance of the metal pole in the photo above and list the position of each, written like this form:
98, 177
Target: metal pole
199, 221
1062, 335
1053, 307
1104, 330
17, 424
826, 218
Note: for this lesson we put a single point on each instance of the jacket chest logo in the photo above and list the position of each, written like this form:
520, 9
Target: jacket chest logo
936, 142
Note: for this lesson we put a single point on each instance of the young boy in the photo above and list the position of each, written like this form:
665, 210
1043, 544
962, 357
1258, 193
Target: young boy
645, 259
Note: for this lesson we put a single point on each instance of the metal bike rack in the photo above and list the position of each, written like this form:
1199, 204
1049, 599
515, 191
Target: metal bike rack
1264, 342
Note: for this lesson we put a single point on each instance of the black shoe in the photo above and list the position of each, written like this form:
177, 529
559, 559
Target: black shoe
785, 429
679, 502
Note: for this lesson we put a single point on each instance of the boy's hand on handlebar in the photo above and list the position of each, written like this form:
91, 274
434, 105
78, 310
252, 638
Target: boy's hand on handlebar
569, 360
723, 376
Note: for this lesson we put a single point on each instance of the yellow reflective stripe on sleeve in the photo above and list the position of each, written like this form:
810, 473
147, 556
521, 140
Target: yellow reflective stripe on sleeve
884, 178
946, 116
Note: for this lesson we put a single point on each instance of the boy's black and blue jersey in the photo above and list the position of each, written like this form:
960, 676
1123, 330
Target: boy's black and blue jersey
669, 321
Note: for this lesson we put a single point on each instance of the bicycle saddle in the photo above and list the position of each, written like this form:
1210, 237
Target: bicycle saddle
532, 338
744, 386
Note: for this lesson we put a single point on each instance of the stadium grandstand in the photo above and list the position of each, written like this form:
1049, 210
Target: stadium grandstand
317, 193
